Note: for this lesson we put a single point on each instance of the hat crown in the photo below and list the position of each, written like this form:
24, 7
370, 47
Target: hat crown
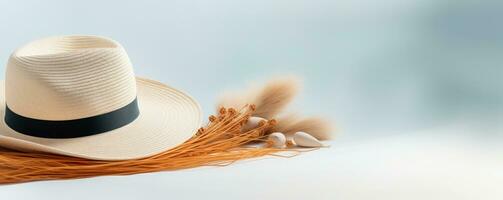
69, 77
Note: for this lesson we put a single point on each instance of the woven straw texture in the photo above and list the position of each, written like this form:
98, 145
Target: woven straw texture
72, 77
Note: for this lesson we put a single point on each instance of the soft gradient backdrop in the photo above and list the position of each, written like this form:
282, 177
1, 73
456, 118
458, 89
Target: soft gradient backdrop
371, 66
376, 68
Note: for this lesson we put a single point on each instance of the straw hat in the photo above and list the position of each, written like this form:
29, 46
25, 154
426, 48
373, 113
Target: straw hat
78, 96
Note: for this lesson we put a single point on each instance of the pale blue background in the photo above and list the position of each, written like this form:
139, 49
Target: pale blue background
376, 68
371, 66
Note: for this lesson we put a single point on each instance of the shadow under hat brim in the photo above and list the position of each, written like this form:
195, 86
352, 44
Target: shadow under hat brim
168, 117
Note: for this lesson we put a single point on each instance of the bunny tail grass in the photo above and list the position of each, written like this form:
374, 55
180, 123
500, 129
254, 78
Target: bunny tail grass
221, 142
270, 99
275, 96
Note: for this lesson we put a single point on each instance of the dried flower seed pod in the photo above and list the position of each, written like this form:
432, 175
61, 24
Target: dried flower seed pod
278, 139
251, 123
305, 140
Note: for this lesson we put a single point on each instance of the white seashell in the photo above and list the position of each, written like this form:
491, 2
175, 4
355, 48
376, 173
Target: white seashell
251, 123
305, 140
279, 139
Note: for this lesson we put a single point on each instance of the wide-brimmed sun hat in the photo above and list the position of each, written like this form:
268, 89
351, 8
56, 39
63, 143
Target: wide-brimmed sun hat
78, 96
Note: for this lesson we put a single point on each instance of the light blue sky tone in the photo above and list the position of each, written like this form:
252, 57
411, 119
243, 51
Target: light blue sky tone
370, 66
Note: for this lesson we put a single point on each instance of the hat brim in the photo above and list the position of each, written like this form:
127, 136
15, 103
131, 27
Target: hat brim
168, 118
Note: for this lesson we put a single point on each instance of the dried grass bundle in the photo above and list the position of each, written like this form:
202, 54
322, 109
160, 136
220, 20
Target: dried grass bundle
318, 127
270, 99
220, 143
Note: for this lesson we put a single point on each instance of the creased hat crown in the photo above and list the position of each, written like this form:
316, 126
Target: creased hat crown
69, 77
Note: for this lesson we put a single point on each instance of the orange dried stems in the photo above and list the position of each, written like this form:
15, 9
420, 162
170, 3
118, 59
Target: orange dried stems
221, 142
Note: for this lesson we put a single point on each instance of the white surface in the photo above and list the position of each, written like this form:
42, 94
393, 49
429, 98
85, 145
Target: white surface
437, 164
